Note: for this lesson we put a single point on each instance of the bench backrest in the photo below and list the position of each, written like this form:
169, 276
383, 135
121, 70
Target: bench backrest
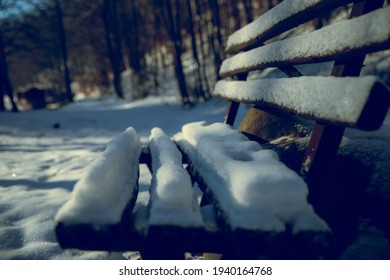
340, 100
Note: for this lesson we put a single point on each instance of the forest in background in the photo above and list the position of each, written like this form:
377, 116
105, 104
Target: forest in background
65, 47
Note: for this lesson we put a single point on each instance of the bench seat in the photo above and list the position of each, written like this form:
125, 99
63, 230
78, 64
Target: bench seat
252, 189
247, 208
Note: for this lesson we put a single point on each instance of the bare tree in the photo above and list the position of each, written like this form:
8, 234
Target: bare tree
113, 42
216, 37
134, 33
93, 41
248, 10
5, 83
200, 88
174, 33
235, 11
64, 50
203, 42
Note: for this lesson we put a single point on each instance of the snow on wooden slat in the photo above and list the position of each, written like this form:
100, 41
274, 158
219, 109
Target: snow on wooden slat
253, 189
339, 100
172, 199
366, 33
108, 185
285, 16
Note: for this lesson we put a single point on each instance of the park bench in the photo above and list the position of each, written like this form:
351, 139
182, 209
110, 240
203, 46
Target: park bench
252, 205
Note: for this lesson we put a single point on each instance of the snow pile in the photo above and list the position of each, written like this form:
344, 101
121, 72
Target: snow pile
270, 19
102, 194
327, 98
254, 189
172, 199
346, 35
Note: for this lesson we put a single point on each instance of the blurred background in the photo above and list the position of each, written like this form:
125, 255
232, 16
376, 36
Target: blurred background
53, 52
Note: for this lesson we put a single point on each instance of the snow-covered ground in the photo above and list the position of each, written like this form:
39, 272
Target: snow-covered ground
41, 163
43, 153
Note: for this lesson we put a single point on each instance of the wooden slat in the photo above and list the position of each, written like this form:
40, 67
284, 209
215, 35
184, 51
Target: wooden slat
116, 237
355, 102
237, 174
122, 236
283, 17
172, 201
174, 218
342, 39
99, 210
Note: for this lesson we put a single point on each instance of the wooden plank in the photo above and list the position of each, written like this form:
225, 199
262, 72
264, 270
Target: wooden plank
172, 201
99, 210
326, 44
282, 17
122, 236
145, 158
354, 102
174, 218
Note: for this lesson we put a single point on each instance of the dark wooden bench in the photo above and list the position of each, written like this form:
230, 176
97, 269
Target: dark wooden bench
253, 205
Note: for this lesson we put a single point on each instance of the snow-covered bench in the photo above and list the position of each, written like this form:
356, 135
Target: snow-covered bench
335, 102
253, 204
248, 207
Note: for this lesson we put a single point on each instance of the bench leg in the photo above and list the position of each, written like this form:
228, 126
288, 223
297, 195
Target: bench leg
231, 112
320, 153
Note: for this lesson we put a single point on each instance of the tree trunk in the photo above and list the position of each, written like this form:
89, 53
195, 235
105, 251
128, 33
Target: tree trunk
135, 50
270, 4
136, 53
199, 88
2, 106
118, 49
203, 46
176, 39
98, 64
248, 10
5, 83
113, 43
235, 11
158, 60
64, 51
216, 37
